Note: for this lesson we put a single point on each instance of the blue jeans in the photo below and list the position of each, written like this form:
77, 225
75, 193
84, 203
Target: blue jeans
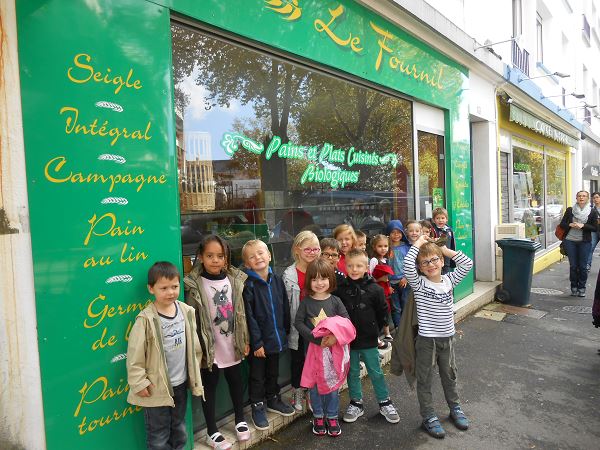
398, 301
594, 243
327, 405
165, 426
578, 253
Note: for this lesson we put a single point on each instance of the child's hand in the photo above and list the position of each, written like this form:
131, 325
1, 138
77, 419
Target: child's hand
260, 353
384, 278
246, 350
422, 240
403, 282
146, 391
328, 341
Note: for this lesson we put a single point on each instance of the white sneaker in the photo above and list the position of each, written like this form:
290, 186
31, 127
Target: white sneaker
298, 399
387, 410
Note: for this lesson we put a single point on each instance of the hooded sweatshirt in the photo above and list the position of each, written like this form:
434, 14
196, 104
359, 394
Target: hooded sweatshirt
397, 252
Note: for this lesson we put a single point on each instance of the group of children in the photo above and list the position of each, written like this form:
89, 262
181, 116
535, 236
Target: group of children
328, 308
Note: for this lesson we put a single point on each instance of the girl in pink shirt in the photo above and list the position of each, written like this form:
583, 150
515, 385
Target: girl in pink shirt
214, 289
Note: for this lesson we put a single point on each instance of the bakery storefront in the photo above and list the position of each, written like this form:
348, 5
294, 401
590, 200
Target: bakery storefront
148, 125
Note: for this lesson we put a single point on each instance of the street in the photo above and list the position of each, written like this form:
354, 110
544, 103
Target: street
525, 383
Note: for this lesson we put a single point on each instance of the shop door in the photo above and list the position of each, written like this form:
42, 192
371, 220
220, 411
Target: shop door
432, 192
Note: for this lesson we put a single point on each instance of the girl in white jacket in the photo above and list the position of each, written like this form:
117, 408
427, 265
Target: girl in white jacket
305, 249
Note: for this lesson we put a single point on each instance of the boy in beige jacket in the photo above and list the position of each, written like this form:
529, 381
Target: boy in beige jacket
163, 360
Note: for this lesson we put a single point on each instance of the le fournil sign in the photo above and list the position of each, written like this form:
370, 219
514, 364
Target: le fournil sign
323, 159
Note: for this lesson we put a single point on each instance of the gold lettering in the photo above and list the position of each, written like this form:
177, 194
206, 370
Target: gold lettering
101, 342
98, 77
321, 26
381, 42
87, 67
113, 229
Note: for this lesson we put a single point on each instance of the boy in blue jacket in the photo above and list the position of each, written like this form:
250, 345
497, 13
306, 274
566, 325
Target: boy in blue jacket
268, 316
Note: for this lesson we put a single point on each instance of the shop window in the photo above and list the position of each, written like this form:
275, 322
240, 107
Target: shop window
431, 172
539, 187
267, 147
556, 188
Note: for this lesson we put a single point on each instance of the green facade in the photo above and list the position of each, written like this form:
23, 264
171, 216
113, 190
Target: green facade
99, 128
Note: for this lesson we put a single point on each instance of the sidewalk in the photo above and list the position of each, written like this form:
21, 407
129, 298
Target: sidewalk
483, 293
527, 377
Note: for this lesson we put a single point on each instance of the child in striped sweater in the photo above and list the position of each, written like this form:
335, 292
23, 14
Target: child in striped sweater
435, 342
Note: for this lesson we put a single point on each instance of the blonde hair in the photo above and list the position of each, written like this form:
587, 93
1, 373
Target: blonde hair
301, 238
252, 243
343, 228
429, 249
439, 212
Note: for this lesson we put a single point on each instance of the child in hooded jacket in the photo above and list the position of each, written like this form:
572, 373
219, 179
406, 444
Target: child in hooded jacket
214, 289
399, 247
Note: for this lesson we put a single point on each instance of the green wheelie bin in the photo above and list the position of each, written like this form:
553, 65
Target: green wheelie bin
517, 269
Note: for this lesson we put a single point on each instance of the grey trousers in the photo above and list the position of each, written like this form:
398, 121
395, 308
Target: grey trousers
430, 351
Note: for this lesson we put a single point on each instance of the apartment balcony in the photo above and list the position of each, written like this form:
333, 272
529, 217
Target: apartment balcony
520, 58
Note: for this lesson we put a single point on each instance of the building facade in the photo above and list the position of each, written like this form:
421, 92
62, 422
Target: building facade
135, 128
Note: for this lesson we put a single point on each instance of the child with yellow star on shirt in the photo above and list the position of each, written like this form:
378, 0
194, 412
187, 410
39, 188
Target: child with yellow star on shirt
317, 306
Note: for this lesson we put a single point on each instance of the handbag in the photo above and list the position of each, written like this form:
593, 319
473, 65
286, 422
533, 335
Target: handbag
560, 232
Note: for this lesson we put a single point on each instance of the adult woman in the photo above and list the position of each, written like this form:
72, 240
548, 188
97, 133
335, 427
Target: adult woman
596, 206
579, 221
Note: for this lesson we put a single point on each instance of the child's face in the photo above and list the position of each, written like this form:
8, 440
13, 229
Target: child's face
431, 265
395, 237
212, 258
308, 251
440, 220
165, 291
356, 267
427, 231
257, 258
346, 241
362, 243
331, 255
382, 248
319, 285
413, 231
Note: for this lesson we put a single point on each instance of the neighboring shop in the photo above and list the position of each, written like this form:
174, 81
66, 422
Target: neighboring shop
534, 167
590, 170
150, 124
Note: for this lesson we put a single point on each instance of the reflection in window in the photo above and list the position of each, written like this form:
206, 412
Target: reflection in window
267, 148
539, 200
528, 188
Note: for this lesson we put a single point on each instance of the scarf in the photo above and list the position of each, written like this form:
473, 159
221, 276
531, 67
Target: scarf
581, 214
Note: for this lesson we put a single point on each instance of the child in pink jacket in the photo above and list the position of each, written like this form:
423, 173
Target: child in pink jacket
313, 310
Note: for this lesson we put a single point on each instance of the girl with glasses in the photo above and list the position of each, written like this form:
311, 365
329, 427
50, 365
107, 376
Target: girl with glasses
305, 250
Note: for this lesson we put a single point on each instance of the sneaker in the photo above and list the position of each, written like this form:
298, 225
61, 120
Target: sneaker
276, 405
298, 399
382, 345
433, 427
319, 426
259, 416
387, 410
574, 292
242, 431
354, 411
458, 418
218, 442
333, 427
388, 338
580, 292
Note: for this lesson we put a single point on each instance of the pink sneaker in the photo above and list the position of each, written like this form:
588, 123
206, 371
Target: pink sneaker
242, 431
